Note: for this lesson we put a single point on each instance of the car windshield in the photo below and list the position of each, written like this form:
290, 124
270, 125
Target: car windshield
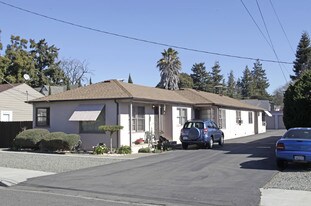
199, 125
298, 134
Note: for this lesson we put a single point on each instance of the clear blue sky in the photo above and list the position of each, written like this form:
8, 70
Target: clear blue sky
221, 26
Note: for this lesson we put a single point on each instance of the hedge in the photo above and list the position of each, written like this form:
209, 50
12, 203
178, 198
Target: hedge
29, 139
59, 141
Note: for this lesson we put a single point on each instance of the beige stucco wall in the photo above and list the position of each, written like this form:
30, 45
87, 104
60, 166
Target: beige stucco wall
13, 102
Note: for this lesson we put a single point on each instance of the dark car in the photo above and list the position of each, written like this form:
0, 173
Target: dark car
294, 146
201, 132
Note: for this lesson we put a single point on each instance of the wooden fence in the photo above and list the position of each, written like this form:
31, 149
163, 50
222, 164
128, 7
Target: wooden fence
9, 130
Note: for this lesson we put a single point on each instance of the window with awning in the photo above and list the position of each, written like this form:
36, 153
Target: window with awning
86, 112
90, 117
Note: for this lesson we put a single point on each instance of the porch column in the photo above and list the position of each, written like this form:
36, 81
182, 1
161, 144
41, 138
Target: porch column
130, 123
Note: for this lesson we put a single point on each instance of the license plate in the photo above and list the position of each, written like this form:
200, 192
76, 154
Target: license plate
185, 138
299, 158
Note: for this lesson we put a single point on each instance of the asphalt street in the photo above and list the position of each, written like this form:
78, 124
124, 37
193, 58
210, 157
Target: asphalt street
229, 175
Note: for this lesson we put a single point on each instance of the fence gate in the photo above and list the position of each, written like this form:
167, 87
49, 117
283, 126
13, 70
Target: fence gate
9, 130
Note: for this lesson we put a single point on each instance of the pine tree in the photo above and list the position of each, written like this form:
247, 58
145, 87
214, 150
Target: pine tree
260, 82
303, 56
90, 82
130, 79
246, 84
216, 76
201, 78
231, 88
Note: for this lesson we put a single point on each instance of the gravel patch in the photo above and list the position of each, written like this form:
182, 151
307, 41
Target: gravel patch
294, 177
55, 162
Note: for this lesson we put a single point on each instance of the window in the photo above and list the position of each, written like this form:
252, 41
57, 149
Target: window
138, 119
238, 117
42, 117
182, 116
250, 117
92, 126
222, 118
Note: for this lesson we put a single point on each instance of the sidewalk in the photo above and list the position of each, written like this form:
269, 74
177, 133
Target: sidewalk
12, 176
275, 197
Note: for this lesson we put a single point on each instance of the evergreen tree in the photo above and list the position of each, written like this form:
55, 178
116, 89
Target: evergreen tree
169, 66
260, 82
201, 78
238, 88
303, 56
185, 81
246, 83
90, 82
231, 88
216, 77
297, 102
130, 79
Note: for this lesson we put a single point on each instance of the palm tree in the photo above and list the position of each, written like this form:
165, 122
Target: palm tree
169, 67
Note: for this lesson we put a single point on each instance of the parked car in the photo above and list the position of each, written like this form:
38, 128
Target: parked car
201, 132
294, 146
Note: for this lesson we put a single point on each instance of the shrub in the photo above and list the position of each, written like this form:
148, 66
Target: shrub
100, 149
144, 150
124, 150
54, 141
73, 140
29, 139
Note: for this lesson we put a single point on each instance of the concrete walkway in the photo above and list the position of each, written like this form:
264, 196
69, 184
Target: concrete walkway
12, 176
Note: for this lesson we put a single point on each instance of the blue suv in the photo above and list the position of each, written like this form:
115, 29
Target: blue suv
201, 132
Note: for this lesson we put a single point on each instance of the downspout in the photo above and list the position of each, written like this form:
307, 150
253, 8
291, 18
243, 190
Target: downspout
131, 114
118, 113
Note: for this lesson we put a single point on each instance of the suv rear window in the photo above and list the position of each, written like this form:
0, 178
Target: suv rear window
199, 125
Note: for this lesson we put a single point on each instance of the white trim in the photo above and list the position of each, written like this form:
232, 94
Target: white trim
8, 114
268, 113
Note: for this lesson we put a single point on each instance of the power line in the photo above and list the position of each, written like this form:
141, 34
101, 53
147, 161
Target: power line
277, 16
138, 39
271, 43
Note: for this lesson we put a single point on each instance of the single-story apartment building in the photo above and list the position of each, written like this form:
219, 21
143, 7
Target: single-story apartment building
141, 109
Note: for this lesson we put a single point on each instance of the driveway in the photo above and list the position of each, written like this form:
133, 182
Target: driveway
229, 175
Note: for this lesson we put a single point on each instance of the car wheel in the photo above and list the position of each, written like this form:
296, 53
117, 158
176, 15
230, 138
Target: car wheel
184, 145
210, 143
221, 141
281, 164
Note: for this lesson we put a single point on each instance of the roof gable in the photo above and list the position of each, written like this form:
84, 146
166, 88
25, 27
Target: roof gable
4, 87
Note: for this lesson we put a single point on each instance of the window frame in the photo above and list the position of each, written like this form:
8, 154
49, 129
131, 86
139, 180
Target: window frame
45, 123
182, 119
138, 119
222, 119
238, 118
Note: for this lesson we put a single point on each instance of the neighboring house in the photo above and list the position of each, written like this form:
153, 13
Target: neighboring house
13, 98
49, 90
139, 109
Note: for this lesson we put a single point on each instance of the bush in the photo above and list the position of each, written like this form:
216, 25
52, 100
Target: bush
124, 150
54, 141
100, 149
73, 140
29, 139
59, 141
144, 150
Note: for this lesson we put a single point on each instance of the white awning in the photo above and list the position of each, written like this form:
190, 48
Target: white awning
268, 113
86, 112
